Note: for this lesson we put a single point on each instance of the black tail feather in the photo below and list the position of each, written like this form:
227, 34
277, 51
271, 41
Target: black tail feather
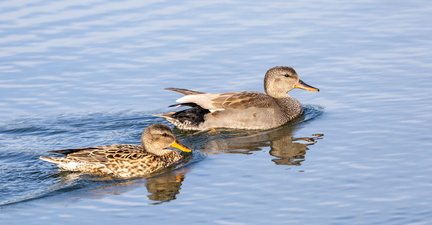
193, 116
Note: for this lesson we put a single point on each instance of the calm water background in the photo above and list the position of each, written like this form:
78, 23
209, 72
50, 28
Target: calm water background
86, 73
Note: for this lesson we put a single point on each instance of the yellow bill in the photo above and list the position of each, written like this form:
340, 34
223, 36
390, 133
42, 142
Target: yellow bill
179, 146
303, 85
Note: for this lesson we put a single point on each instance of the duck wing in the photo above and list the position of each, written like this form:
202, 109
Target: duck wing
232, 100
104, 153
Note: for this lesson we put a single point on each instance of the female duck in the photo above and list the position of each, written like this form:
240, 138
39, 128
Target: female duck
242, 110
125, 160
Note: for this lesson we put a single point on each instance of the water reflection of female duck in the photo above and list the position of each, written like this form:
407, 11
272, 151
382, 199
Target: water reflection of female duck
162, 187
165, 187
125, 161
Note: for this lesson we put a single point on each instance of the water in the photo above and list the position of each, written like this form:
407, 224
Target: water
76, 74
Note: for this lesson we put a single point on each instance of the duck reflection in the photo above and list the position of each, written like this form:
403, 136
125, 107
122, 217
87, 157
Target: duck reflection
286, 149
162, 187
290, 151
165, 187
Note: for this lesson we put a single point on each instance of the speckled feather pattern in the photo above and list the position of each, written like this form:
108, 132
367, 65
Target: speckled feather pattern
119, 163
123, 160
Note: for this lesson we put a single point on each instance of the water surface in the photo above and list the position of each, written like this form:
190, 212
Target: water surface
76, 74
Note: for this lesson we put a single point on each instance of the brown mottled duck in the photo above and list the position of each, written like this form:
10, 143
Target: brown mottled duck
242, 110
125, 161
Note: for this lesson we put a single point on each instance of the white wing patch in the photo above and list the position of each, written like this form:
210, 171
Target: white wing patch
185, 99
203, 100
214, 110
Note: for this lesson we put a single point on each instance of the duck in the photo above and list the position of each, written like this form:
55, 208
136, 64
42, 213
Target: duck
244, 109
124, 160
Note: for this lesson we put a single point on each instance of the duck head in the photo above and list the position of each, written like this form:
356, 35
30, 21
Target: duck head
156, 138
282, 79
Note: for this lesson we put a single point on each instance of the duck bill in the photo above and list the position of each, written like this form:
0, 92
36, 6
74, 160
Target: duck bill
179, 146
303, 85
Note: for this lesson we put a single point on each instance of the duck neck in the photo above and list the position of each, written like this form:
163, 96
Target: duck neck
278, 95
290, 106
172, 156
275, 91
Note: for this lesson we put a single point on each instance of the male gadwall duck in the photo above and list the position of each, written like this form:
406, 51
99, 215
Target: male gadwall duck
125, 161
241, 110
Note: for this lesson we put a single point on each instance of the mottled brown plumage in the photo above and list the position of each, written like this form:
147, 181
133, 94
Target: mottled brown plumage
124, 160
242, 110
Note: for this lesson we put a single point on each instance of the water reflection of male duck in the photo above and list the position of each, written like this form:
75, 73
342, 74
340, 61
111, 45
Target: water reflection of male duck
125, 160
281, 141
242, 110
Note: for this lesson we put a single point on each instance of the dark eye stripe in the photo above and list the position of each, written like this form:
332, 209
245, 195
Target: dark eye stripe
166, 135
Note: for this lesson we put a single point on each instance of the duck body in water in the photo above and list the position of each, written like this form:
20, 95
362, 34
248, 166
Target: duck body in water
242, 110
125, 161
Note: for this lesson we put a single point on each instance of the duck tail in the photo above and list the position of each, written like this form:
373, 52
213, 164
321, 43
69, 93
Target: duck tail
63, 163
189, 119
185, 91
50, 159
165, 115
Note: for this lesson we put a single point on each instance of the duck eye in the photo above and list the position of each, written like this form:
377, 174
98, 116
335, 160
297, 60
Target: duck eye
166, 135
286, 75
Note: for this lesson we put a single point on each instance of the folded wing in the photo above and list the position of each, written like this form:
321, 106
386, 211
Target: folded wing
232, 100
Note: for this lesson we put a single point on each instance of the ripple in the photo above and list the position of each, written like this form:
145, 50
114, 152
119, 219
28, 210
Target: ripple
90, 73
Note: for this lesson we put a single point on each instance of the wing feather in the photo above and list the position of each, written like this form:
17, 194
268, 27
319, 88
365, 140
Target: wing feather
105, 153
233, 100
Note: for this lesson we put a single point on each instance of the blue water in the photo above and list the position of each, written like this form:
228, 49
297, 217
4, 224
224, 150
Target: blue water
76, 74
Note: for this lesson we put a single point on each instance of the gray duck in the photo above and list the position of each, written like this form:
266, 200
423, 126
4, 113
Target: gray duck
241, 110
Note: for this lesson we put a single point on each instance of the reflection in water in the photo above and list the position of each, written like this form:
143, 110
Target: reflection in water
161, 188
287, 149
164, 188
